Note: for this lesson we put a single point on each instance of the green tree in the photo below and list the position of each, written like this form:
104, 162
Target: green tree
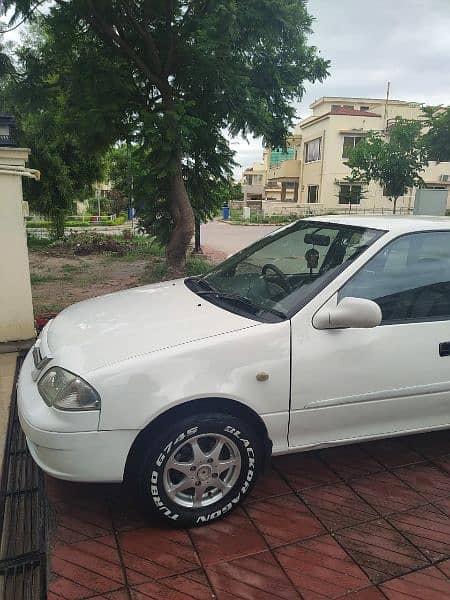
437, 136
6, 66
394, 161
198, 67
37, 94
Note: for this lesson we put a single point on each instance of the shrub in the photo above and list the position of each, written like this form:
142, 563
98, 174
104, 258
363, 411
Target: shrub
91, 242
35, 242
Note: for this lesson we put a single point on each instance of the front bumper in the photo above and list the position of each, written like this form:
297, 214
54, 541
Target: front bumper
67, 445
94, 456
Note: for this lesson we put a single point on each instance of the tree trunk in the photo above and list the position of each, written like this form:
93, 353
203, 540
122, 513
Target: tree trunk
395, 206
58, 219
183, 216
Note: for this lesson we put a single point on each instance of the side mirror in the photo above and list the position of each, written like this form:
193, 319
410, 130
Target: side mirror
349, 313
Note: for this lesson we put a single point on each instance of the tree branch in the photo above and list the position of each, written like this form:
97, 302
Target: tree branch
146, 36
170, 16
110, 35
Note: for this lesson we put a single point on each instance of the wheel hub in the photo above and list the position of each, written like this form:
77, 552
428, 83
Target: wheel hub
202, 471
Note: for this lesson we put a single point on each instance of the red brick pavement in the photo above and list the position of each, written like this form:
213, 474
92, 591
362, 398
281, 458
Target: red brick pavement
363, 522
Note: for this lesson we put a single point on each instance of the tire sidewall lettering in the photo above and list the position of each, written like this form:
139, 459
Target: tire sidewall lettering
184, 436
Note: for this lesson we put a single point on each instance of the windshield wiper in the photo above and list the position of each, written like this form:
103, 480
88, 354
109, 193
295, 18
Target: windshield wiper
201, 281
242, 300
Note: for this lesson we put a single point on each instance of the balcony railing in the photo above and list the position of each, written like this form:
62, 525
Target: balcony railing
7, 140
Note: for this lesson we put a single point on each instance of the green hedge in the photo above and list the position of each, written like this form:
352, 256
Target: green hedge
47, 224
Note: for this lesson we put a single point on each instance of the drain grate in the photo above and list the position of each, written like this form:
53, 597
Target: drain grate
23, 517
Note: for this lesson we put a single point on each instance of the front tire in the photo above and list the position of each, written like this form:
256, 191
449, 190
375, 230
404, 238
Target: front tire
198, 469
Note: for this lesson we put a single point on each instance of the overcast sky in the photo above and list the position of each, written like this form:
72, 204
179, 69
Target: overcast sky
406, 42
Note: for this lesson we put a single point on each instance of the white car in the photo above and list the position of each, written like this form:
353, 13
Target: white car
329, 331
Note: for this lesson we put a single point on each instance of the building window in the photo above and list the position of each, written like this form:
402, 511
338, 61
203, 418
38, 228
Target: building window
290, 185
349, 194
347, 106
350, 142
313, 194
312, 150
364, 108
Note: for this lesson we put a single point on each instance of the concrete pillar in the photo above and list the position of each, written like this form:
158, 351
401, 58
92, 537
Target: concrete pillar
283, 191
16, 308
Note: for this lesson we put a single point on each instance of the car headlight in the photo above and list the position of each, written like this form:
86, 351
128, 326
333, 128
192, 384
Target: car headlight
64, 390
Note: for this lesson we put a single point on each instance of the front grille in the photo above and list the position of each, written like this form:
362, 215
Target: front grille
23, 514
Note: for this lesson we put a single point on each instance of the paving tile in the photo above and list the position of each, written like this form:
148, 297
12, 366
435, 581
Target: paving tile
443, 462
350, 462
370, 593
84, 578
94, 556
156, 552
99, 518
431, 444
90, 496
271, 484
387, 493
380, 550
284, 520
392, 452
427, 528
444, 567
426, 479
319, 568
443, 504
75, 524
117, 595
227, 539
427, 584
337, 506
256, 577
192, 586
304, 470
67, 589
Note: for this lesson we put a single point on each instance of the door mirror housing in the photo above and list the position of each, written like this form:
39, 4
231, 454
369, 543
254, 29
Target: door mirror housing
349, 313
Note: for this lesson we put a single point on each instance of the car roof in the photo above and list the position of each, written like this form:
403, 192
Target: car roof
395, 223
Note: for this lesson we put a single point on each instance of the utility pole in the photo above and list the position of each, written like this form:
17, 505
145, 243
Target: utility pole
197, 241
386, 104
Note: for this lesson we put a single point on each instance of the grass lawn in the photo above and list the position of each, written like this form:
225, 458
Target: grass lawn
60, 276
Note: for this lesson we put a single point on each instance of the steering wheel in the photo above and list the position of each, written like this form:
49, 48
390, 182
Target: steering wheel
282, 278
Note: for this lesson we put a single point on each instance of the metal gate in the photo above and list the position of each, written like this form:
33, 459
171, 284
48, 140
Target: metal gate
23, 517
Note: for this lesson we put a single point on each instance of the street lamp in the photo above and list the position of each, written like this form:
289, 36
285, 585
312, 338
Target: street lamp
7, 130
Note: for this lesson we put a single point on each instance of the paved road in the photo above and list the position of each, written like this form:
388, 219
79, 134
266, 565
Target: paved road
231, 238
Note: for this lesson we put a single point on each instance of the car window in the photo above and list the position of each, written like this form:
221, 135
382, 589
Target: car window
409, 279
284, 269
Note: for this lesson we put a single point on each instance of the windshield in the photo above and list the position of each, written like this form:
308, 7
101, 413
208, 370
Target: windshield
281, 272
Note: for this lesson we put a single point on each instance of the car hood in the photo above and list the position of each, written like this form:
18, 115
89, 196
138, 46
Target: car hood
118, 326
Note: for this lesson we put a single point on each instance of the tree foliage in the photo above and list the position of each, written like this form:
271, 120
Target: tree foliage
48, 122
394, 161
437, 137
193, 68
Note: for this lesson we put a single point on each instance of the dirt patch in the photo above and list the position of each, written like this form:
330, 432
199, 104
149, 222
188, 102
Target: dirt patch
59, 278
58, 281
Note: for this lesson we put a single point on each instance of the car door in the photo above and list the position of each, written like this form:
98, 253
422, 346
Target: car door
350, 384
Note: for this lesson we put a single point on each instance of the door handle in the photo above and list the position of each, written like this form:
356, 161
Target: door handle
444, 349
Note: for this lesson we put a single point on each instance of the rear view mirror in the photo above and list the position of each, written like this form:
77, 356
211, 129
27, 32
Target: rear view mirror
349, 313
317, 240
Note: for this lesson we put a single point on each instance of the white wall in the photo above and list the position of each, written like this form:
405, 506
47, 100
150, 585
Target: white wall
16, 309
